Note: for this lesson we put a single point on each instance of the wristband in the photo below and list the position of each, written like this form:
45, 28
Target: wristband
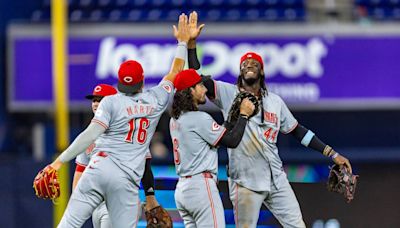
335, 155
244, 116
181, 51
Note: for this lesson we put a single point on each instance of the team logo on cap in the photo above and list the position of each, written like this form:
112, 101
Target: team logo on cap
249, 55
97, 89
167, 88
215, 126
128, 79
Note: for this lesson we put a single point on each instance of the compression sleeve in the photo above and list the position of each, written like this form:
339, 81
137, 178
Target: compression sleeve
148, 179
308, 138
232, 138
83, 141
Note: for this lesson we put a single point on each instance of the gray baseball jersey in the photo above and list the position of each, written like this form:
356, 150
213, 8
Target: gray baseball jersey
255, 169
256, 158
118, 160
195, 136
131, 122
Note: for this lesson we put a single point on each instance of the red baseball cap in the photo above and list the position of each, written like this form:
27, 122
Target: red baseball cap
102, 90
252, 55
130, 77
186, 79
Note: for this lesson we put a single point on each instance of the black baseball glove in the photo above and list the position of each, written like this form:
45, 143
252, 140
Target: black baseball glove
342, 181
234, 112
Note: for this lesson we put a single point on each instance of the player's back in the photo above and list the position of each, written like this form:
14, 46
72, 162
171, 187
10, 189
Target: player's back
194, 142
130, 122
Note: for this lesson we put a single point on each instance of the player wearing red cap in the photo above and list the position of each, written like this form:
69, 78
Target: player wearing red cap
122, 127
195, 151
100, 216
256, 174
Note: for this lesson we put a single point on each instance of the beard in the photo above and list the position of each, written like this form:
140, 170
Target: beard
250, 81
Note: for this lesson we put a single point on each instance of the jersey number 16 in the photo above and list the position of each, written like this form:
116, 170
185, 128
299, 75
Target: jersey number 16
142, 131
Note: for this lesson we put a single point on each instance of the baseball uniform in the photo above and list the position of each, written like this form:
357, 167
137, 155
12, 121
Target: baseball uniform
117, 164
195, 135
255, 169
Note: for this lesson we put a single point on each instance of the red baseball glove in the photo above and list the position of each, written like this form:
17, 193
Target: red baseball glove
46, 183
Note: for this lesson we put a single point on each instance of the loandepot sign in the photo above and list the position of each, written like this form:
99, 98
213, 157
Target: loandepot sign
291, 60
309, 71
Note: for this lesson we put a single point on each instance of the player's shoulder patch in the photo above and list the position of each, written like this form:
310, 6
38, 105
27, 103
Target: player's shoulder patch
167, 88
215, 126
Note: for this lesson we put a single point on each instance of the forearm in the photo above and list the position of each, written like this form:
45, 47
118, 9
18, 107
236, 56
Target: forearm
193, 60
87, 137
148, 179
178, 63
234, 136
309, 139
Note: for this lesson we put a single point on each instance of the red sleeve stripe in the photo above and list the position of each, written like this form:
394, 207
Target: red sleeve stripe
101, 123
220, 137
291, 129
80, 168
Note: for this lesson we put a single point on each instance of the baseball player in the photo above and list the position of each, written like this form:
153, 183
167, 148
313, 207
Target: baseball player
123, 125
100, 217
196, 136
256, 173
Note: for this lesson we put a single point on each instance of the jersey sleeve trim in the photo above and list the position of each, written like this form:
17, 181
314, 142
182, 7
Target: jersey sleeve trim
80, 167
215, 89
220, 137
101, 123
292, 128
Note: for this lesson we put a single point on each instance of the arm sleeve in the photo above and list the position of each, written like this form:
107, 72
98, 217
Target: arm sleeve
148, 179
308, 138
288, 122
193, 61
234, 136
87, 137
208, 129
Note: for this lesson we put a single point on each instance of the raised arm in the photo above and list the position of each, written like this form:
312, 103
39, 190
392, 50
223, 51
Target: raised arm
182, 36
194, 31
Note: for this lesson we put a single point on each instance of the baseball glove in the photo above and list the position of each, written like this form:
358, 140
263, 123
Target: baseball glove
46, 184
341, 181
158, 217
234, 111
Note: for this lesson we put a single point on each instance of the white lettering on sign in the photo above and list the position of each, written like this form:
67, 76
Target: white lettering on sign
291, 60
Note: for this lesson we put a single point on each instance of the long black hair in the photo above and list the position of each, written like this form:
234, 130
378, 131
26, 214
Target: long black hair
183, 102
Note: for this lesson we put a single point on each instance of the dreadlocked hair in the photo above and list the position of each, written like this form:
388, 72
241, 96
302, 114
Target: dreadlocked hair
183, 102
263, 87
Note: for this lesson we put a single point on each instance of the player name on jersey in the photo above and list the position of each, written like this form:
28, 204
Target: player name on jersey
140, 109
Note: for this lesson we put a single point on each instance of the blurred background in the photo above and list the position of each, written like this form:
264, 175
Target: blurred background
334, 62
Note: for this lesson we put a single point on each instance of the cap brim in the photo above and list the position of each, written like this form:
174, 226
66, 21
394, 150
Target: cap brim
128, 88
90, 97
